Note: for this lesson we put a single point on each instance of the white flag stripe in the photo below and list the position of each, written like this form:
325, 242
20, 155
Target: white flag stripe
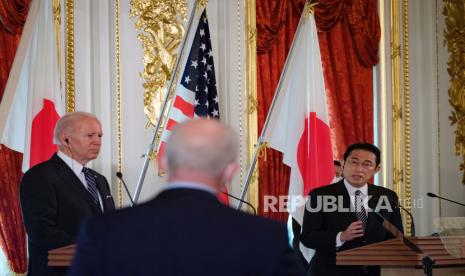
185, 94
178, 117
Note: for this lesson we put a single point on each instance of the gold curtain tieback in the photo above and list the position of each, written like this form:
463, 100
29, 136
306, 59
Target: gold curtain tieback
262, 150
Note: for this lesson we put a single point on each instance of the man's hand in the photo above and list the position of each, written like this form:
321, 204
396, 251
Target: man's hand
355, 230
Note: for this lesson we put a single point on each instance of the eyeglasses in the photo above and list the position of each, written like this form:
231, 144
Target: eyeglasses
367, 165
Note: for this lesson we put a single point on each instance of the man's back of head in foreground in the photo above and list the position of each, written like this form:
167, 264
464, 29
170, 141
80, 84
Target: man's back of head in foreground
202, 151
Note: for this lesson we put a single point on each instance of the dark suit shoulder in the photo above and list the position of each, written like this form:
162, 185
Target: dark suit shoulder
328, 189
384, 191
40, 168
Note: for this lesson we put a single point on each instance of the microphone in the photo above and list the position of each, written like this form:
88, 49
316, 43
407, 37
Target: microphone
412, 225
120, 176
243, 201
385, 223
440, 197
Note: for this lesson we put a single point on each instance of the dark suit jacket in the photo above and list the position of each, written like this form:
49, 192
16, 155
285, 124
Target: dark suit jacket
321, 228
54, 201
183, 232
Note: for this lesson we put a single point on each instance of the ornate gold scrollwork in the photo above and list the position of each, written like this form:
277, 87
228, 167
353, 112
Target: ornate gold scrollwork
454, 35
398, 176
395, 51
252, 104
160, 26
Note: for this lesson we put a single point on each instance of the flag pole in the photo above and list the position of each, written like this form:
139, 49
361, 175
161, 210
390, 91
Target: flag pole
270, 111
152, 145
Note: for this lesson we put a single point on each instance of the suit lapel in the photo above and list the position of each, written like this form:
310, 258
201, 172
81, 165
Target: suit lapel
107, 199
350, 216
70, 178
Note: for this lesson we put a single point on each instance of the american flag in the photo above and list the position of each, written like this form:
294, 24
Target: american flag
196, 94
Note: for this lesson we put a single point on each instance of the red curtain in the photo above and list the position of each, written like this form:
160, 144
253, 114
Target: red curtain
13, 15
349, 34
277, 21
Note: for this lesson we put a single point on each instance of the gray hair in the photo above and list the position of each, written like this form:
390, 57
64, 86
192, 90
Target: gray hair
206, 146
67, 122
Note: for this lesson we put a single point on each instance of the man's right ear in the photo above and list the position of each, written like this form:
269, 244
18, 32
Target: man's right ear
229, 172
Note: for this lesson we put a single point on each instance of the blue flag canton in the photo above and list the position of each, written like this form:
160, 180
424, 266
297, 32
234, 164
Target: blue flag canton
199, 73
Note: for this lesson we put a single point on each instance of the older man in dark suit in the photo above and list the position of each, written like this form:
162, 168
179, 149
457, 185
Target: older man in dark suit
57, 194
185, 230
341, 216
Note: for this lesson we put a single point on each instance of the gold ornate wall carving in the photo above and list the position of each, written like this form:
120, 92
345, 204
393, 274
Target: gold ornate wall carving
161, 31
454, 35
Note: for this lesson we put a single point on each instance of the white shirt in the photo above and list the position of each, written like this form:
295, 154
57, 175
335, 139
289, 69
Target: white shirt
351, 191
76, 167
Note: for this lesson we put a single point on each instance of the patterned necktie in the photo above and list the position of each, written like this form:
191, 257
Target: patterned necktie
91, 184
360, 211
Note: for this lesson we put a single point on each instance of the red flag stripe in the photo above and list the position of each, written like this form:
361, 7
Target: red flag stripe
185, 107
171, 123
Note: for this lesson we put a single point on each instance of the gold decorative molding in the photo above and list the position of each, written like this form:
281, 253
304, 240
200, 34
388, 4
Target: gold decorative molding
407, 153
161, 31
251, 78
57, 19
252, 104
397, 113
454, 39
70, 92
401, 154
383, 95
397, 175
240, 102
395, 51
397, 160
118, 102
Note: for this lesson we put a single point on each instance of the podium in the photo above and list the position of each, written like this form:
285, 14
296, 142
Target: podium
408, 255
62, 256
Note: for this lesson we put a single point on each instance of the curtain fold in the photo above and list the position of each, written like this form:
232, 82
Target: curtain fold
13, 15
349, 33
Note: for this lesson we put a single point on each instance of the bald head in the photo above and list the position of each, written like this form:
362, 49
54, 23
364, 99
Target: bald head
201, 147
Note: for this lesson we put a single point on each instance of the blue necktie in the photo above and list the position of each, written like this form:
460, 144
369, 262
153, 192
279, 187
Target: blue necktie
91, 184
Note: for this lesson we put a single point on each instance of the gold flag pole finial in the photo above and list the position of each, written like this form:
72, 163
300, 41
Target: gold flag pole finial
309, 8
202, 4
